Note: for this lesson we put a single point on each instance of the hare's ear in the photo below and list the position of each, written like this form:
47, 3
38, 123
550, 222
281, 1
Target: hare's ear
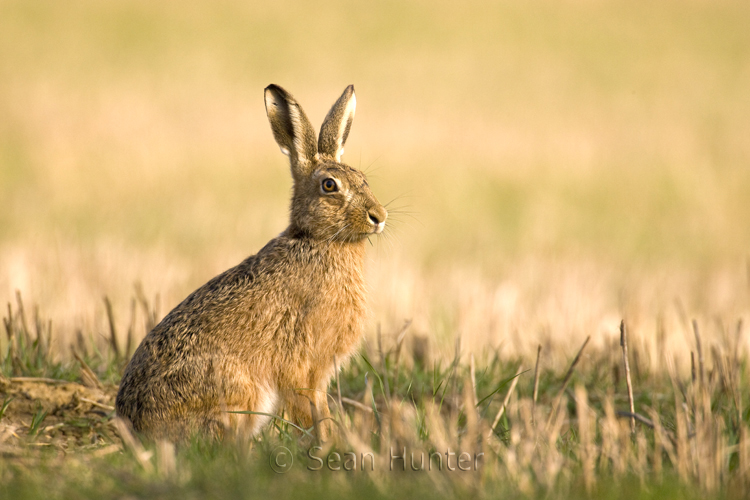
291, 129
335, 128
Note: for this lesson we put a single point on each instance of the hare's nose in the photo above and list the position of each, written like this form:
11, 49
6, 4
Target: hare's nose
377, 216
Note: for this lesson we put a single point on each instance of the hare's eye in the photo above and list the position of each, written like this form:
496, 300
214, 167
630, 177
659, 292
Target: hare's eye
329, 185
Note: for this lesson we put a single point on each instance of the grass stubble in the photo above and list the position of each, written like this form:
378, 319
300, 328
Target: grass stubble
585, 430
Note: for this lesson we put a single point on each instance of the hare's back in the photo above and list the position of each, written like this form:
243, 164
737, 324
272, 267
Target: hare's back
180, 365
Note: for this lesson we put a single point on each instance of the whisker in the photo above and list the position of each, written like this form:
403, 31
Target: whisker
400, 197
397, 221
331, 239
397, 215
368, 170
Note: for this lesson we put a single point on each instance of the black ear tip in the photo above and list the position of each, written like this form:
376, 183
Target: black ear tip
276, 91
349, 89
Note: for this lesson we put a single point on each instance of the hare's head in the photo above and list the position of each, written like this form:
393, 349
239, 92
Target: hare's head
331, 200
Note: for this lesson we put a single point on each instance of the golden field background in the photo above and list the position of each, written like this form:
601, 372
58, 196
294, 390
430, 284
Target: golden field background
557, 166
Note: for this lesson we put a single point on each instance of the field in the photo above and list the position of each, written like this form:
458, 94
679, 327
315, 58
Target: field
552, 169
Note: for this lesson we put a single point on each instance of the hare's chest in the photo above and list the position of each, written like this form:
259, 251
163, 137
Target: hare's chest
327, 297
337, 317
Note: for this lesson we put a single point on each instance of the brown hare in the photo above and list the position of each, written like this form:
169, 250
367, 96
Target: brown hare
263, 335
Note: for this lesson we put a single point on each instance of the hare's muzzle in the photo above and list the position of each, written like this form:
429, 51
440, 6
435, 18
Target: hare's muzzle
377, 217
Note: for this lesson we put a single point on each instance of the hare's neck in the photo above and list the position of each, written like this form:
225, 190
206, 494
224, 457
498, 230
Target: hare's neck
345, 282
344, 270
348, 256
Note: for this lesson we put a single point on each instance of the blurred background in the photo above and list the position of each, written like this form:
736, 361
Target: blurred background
552, 166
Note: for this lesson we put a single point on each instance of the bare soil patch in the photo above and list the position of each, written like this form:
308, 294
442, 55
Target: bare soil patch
47, 412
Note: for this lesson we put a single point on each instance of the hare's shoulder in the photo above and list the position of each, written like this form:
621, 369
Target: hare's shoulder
226, 291
280, 271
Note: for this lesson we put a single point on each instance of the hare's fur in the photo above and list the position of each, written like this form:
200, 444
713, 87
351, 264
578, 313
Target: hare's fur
263, 335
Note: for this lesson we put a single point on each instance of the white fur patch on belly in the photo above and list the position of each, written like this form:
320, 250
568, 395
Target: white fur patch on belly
267, 403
